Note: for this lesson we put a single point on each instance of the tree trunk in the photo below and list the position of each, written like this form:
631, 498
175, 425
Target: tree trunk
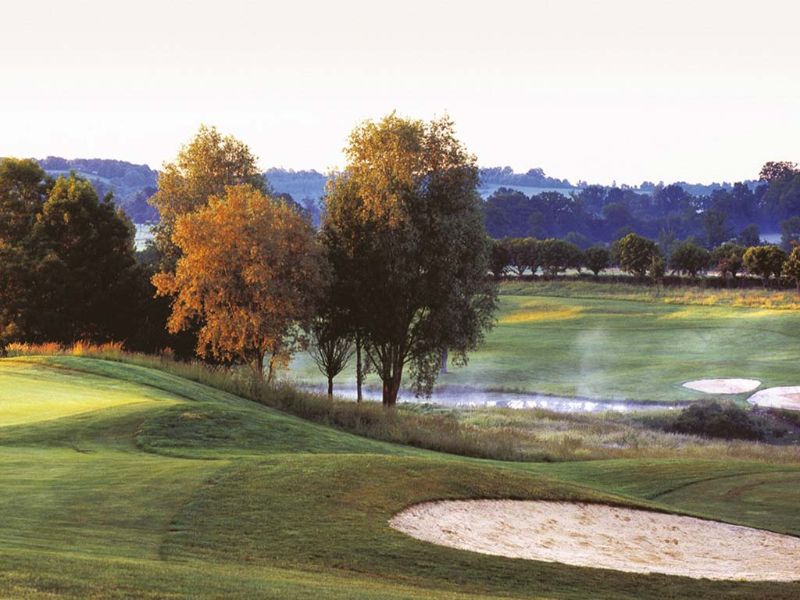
391, 387
330, 387
359, 369
443, 370
271, 370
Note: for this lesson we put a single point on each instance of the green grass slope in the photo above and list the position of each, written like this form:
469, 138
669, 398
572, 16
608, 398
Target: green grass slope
140, 484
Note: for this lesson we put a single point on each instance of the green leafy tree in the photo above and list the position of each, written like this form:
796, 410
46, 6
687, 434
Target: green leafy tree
790, 232
635, 254
405, 233
558, 255
778, 171
499, 258
749, 236
596, 259
764, 261
689, 258
87, 280
791, 267
203, 168
524, 255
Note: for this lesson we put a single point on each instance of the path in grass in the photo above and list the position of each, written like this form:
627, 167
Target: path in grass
187, 491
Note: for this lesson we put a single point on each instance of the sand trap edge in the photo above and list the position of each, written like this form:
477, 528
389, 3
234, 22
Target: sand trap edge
723, 385
604, 536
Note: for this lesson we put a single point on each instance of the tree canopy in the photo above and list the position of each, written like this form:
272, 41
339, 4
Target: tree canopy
250, 273
404, 228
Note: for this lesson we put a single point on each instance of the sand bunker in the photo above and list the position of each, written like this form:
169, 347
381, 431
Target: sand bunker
594, 535
723, 386
778, 397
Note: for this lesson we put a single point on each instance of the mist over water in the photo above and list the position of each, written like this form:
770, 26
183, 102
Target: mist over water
471, 398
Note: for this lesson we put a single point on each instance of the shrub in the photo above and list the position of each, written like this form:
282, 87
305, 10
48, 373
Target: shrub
714, 419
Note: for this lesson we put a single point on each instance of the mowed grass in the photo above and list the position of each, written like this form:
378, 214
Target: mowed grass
639, 344
192, 492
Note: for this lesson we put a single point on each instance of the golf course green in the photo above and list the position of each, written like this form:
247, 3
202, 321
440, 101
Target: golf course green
121, 481
617, 347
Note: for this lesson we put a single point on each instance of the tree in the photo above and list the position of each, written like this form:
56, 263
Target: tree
791, 267
405, 234
596, 259
24, 188
524, 254
716, 227
558, 255
749, 236
689, 258
790, 232
499, 258
203, 168
331, 348
250, 271
635, 254
86, 280
764, 261
728, 259
777, 171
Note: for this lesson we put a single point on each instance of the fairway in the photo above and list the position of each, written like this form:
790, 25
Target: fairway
613, 349
136, 497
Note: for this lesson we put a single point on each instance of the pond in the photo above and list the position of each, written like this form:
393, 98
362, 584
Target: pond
473, 398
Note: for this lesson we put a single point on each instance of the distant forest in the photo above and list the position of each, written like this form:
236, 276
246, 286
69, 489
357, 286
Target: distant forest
529, 204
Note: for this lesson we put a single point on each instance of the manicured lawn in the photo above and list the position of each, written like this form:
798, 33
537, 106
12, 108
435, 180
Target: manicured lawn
627, 347
186, 491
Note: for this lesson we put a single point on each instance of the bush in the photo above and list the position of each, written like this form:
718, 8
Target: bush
713, 419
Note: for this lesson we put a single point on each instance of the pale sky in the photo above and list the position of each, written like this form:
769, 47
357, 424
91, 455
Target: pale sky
697, 90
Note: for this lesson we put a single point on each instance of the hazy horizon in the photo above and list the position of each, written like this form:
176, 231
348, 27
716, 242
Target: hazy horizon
599, 91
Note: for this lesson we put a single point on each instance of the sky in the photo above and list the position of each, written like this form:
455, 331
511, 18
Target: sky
606, 90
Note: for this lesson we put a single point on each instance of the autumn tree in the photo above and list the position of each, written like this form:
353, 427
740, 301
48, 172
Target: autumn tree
405, 231
250, 272
728, 259
764, 261
203, 168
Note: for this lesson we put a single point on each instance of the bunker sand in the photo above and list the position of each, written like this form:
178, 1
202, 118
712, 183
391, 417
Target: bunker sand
778, 397
723, 386
594, 535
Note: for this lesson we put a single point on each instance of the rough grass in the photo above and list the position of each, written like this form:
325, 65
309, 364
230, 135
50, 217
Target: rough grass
498, 434
195, 492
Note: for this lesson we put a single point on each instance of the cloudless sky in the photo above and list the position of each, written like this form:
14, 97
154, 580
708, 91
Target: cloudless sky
697, 90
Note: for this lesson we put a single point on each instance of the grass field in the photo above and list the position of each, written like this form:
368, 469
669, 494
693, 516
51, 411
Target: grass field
140, 484
611, 342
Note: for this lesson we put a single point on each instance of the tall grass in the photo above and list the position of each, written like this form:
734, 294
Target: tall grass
679, 294
500, 434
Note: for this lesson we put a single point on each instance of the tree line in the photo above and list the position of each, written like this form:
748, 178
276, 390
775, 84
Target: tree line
599, 214
643, 258
396, 276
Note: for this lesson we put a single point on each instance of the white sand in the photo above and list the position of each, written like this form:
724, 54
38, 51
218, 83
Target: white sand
594, 535
778, 397
723, 386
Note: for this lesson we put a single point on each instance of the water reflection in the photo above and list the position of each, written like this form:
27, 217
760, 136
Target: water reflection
481, 399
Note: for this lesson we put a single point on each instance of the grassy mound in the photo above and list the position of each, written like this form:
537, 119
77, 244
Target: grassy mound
144, 484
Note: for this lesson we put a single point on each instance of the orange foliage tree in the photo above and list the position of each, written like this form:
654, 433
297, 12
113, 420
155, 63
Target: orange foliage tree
250, 273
